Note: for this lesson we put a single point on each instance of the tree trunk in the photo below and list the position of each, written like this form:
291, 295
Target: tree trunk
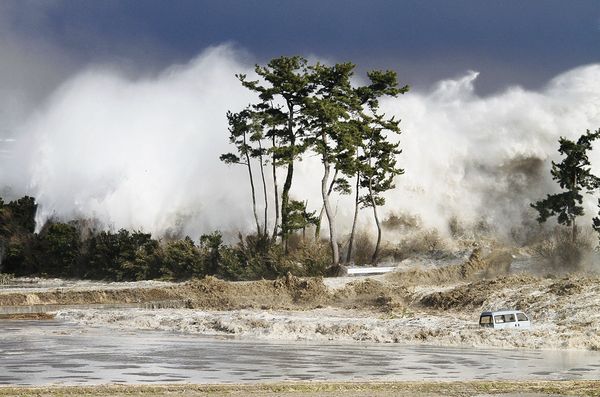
285, 199
264, 183
251, 186
276, 189
574, 231
356, 202
376, 252
322, 212
332, 232
287, 185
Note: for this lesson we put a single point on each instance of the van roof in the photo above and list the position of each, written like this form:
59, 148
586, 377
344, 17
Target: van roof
503, 311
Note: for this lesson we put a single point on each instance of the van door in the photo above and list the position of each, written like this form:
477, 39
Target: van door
523, 320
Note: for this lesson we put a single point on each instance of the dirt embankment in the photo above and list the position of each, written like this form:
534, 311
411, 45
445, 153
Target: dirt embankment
101, 296
290, 292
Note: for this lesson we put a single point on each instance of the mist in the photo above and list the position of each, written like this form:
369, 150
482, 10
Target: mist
142, 152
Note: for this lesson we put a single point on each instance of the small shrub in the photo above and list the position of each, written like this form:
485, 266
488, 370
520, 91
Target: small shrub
558, 252
255, 257
181, 259
363, 248
313, 258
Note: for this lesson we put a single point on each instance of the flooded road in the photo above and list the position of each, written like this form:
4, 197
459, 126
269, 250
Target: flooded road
53, 352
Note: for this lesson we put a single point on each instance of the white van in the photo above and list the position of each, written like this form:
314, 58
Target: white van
504, 319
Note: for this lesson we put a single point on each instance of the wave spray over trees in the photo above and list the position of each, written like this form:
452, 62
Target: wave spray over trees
141, 152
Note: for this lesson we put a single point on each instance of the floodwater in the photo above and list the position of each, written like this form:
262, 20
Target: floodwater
54, 352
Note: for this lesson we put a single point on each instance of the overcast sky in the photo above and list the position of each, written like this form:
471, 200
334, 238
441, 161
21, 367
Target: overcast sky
509, 42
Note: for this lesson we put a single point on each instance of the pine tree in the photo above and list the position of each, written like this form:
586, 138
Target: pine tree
286, 84
332, 136
377, 164
240, 129
573, 175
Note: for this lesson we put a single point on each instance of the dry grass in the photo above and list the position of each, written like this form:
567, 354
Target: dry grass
557, 253
321, 389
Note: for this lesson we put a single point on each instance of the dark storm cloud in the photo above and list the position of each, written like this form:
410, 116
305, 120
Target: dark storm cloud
509, 42
146, 85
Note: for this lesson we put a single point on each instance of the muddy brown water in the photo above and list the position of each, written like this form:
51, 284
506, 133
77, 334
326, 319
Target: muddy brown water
55, 352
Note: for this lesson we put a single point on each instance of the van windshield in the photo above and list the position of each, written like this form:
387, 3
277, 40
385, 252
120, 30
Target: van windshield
486, 321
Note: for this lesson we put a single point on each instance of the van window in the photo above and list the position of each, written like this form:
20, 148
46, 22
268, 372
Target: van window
485, 321
505, 318
522, 317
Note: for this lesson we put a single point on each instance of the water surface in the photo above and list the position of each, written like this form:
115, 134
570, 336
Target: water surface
54, 352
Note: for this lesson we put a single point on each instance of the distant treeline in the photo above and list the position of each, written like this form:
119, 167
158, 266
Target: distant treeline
75, 250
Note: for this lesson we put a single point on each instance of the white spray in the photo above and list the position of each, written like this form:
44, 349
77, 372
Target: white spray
144, 153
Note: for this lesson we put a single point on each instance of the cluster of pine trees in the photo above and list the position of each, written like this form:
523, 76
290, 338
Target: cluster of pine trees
314, 110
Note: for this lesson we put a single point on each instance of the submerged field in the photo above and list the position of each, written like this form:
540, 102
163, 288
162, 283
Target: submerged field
435, 306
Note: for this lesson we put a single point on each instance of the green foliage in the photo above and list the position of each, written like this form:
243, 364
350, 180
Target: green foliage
377, 165
299, 217
257, 257
211, 246
310, 258
73, 250
122, 256
596, 221
314, 108
17, 223
58, 249
283, 92
573, 174
182, 259
241, 129
22, 212
378, 160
